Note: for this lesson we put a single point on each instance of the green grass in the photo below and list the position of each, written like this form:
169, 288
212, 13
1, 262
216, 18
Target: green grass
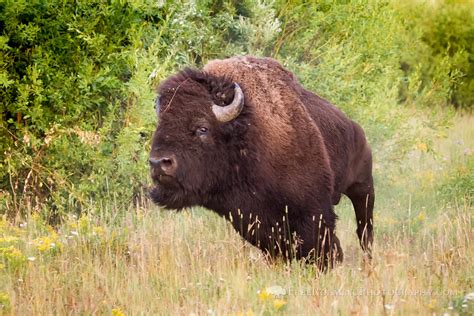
143, 260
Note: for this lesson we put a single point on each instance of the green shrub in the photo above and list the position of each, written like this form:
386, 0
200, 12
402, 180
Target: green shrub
64, 73
449, 32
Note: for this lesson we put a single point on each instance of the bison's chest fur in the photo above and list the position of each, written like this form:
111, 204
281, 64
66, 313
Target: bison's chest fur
268, 217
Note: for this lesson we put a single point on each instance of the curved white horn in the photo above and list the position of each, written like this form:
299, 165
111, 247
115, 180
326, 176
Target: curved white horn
229, 112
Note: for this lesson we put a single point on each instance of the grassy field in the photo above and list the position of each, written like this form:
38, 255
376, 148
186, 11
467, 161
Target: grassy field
143, 260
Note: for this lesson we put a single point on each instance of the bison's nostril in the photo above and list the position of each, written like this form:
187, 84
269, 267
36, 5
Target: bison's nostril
165, 164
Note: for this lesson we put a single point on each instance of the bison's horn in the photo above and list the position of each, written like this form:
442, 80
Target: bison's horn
231, 111
157, 105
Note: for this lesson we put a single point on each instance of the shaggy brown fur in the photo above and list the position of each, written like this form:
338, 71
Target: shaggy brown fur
276, 170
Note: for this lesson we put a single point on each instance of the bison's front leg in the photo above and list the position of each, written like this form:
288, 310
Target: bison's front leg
318, 243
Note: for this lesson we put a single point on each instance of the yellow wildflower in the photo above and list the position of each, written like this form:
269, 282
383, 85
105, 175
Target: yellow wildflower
98, 231
84, 224
117, 312
263, 295
279, 304
432, 304
36, 218
50, 229
273, 292
421, 217
12, 257
4, 302
422, 147
48, 243
8, 240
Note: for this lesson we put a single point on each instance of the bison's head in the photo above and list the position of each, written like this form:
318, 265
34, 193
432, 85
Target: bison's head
202, 122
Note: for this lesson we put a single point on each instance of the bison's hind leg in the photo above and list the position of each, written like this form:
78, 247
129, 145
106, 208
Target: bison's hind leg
362, 197
337, 250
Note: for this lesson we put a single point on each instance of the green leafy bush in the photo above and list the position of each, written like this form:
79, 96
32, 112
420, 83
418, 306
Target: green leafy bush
65, 100
449, 32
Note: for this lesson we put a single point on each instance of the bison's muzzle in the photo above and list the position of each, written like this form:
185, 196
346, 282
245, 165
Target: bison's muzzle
163, 169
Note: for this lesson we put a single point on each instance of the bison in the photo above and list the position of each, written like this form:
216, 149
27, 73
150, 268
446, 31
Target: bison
243, 138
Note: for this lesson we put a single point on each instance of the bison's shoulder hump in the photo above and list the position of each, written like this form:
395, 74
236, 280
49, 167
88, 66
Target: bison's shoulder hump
249, 68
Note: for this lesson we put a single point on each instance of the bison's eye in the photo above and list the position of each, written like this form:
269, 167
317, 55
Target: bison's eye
202, 131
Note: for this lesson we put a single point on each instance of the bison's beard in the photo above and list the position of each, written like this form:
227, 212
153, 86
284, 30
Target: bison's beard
174, 197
